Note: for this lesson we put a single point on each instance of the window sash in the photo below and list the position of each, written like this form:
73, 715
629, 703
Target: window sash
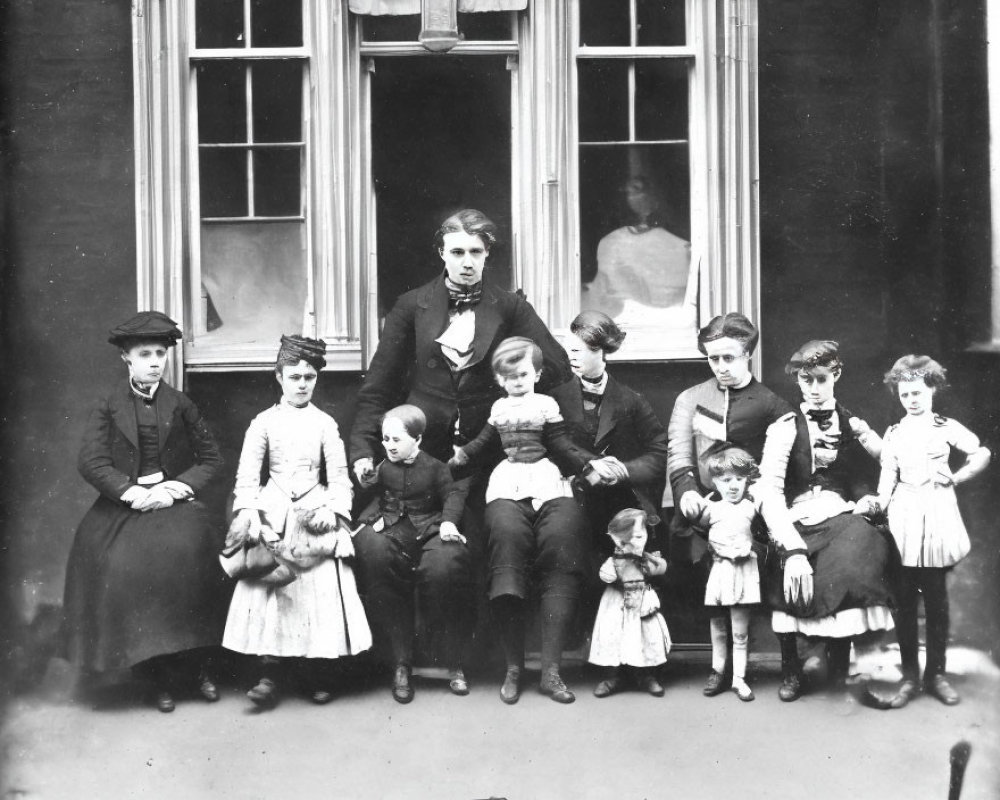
545, 181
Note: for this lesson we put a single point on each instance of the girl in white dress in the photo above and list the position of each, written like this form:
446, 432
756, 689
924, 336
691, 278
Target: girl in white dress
630, 633
917, 488
734, 581
293, 494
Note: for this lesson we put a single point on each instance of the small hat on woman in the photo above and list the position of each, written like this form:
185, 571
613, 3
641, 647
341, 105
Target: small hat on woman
146, 326
302, 348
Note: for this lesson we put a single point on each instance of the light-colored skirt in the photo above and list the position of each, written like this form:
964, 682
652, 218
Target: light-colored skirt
637, 637
733, 583
514, 480
318, 615
927, 525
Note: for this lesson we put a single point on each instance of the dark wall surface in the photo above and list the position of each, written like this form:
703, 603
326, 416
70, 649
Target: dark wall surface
875, 222
874, 217
69, 266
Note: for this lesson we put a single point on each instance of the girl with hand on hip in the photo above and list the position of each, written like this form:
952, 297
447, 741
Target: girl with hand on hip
917, 488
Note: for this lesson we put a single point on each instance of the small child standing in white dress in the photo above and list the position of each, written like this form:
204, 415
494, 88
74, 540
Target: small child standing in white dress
293, 494
917, 488
629, 630
734, 581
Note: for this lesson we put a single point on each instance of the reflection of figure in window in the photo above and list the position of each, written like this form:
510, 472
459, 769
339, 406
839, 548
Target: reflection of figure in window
642, 261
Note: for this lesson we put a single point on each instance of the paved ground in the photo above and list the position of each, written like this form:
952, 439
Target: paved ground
364, 745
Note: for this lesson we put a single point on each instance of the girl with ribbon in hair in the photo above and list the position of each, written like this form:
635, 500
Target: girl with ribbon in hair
917, 487
142, 588
820, 461
293, 496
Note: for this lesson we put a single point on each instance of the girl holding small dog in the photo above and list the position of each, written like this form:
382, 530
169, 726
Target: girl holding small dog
293, 497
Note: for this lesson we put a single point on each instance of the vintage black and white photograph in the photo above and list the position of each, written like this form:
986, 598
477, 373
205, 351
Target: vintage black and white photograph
499, 399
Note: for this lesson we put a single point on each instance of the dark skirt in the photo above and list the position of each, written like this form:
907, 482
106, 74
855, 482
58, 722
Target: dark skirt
140, 585
853, 565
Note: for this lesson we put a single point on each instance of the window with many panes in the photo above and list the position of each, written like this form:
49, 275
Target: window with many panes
293, 158
636, 164
250, 218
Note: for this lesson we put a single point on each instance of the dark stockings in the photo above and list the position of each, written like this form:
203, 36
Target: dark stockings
931, 583
508, 616
558, 614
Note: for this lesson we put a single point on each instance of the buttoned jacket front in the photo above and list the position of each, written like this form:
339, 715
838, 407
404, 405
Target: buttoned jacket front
109, 455
409, 366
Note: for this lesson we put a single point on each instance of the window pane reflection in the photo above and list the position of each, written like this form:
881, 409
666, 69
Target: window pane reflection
253, 282
219, 23
603, 100
635, 223
222, 102
277, 182
223, 182
661, 99
490, 26
660, 23
390, 28
276, 23
277, 101
605, 23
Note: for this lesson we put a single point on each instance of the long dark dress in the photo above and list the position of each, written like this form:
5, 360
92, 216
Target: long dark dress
852, 561
139, 585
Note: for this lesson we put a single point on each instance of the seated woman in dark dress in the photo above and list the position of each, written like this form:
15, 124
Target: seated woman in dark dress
143, 584
822, 459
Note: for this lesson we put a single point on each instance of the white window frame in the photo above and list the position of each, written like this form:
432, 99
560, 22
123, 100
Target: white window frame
545, 248
167, 224
723, 158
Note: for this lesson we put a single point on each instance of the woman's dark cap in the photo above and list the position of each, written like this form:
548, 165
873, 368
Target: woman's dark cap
815, 353
145, 326
301, 348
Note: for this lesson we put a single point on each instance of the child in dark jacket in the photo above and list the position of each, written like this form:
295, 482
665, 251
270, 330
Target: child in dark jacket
408, 539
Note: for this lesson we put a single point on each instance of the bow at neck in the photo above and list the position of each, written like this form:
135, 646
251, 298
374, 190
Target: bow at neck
463, 297
823, 417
